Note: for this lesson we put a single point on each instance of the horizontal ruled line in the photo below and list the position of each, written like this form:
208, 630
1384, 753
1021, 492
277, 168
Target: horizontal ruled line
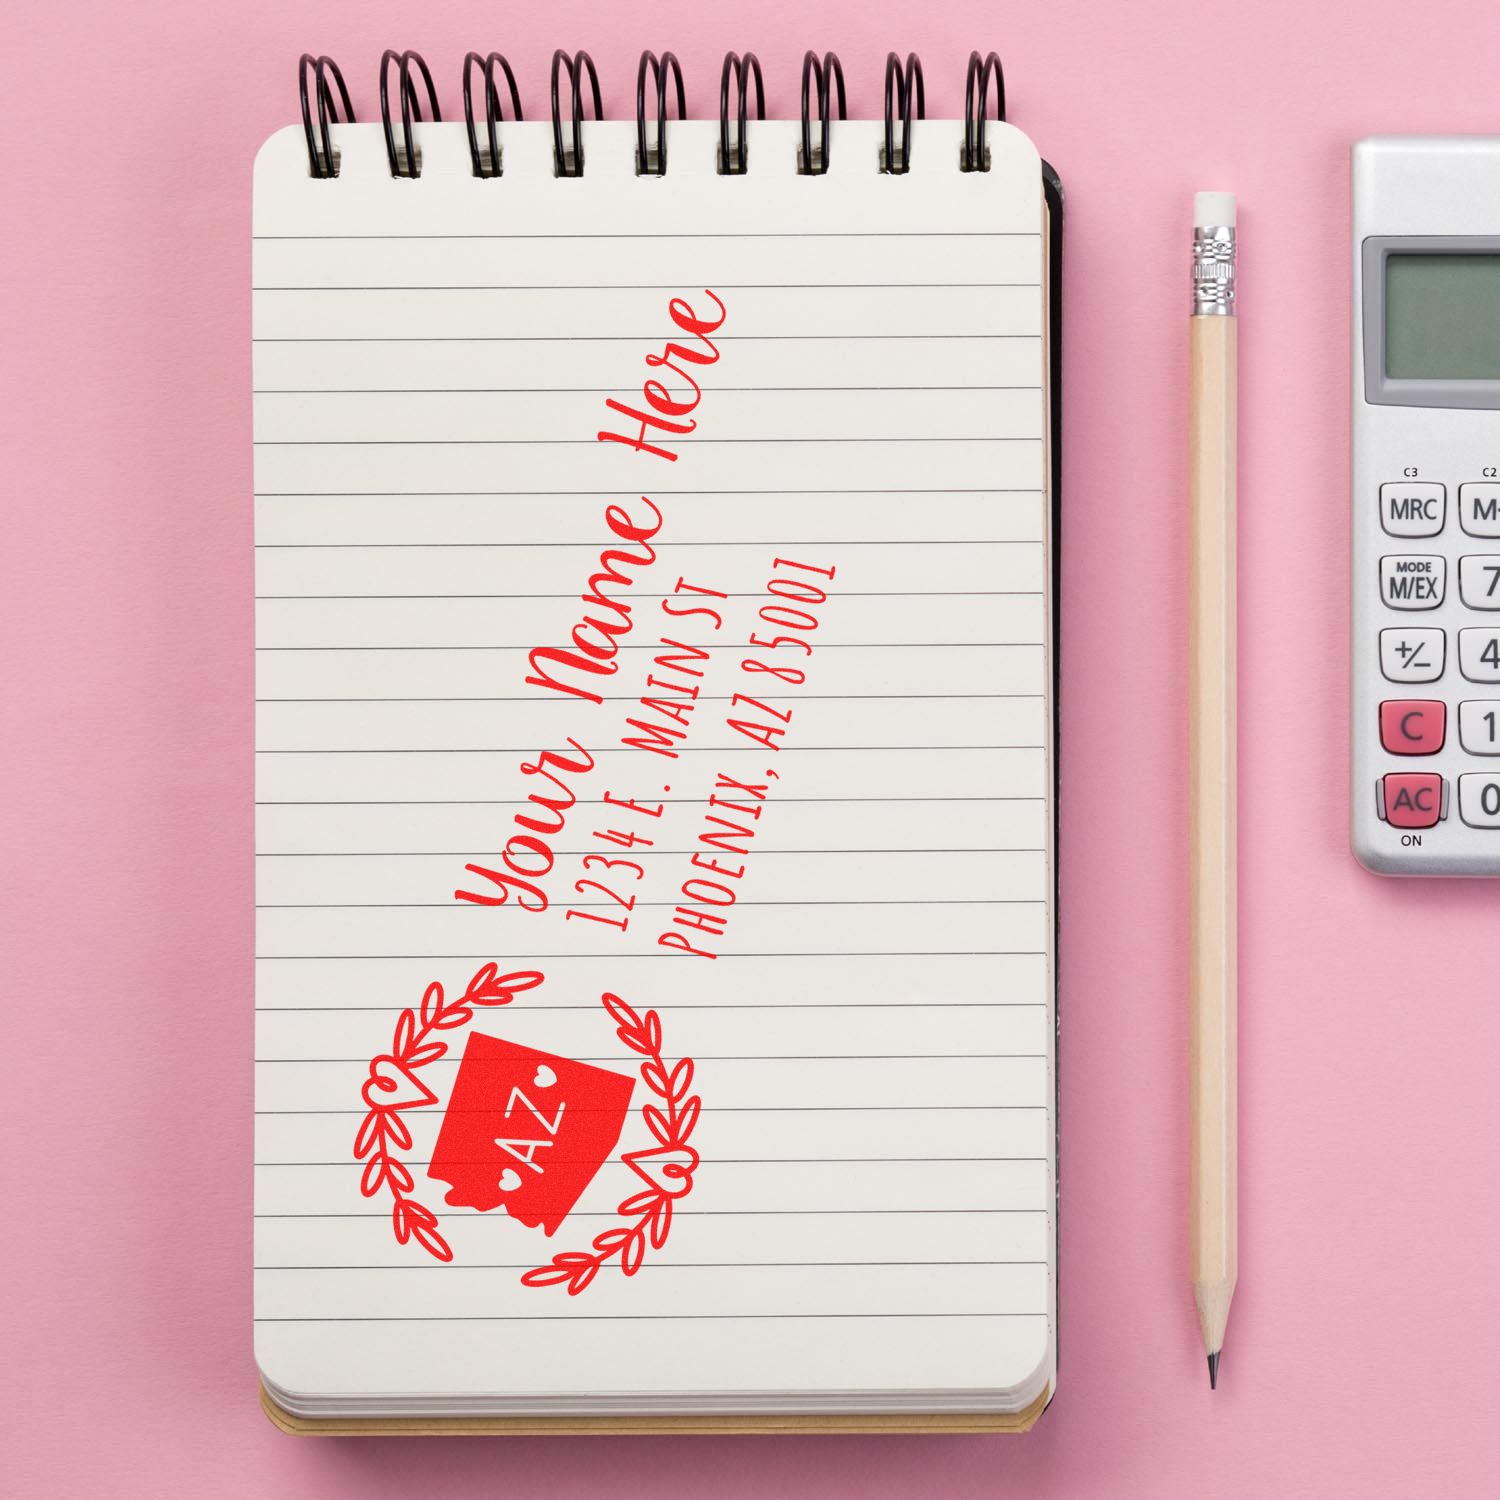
592, 801
657, 646
648, 339
678, 749
680, 1265
1030, 489
657, 853
895, 541
610, 390
695, 441
668, 957
643, 1317
705, 698
746, 1109
640, 905
669, 1006
708, 1161
749, 234
684, 1209
653, 286
454, 1060
760, 594
487, 1110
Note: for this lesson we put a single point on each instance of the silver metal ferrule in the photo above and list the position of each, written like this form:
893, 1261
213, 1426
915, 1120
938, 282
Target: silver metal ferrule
1213, 271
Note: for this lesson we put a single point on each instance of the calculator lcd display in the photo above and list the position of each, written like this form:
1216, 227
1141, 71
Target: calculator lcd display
1442, 317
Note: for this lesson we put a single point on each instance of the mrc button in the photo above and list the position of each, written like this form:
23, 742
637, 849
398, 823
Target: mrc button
1411, 799
1413, 580
1413, 509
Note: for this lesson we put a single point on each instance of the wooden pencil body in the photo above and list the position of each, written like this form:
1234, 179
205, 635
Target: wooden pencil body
1212, 810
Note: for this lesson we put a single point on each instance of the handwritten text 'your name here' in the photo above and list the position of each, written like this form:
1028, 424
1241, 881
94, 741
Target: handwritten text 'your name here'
663, 716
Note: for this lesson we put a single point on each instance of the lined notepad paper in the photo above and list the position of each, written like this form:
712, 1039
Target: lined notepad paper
862, 1217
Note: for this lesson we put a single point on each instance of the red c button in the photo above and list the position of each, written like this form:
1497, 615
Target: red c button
1412, 726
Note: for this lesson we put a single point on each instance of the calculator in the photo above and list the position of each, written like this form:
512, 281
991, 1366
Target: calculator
1426, 505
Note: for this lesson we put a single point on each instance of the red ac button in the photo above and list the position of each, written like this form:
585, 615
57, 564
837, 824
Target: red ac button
1411, 799
1412, 726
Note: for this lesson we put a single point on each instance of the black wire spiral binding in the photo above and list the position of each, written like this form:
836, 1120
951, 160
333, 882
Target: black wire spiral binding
405, 162
650, 163
823, 74
321, 83
321, 159
736, 162
488, 164
903, 86
570, 163
976, 100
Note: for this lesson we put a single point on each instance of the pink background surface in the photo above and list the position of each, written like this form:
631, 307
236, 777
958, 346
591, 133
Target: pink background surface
1367, 1319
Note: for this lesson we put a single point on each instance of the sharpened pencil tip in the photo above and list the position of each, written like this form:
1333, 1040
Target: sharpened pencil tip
1213, 1370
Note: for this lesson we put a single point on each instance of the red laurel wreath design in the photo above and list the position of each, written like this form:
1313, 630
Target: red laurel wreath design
673, 1128
383, 1132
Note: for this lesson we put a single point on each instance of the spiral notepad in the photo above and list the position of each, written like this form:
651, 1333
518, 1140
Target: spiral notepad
655, 604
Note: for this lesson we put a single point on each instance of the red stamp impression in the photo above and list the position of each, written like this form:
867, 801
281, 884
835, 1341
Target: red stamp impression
527, 1130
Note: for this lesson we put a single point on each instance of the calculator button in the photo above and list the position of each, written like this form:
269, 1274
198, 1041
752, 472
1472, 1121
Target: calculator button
1479, 800
1479, 581
1409, 509
1479, 726
1479, 655
1414, 581
1416, 655
1412, 726
1412, 799
1479, 509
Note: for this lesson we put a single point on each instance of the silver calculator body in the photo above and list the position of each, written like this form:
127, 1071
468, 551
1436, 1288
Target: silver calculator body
1426, 505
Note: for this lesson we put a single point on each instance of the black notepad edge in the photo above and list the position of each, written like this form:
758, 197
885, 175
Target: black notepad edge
1052, 190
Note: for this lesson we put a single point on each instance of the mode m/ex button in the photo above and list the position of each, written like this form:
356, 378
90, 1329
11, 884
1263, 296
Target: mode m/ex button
1413, 581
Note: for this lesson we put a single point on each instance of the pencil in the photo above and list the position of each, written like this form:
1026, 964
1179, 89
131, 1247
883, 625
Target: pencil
1212, 462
